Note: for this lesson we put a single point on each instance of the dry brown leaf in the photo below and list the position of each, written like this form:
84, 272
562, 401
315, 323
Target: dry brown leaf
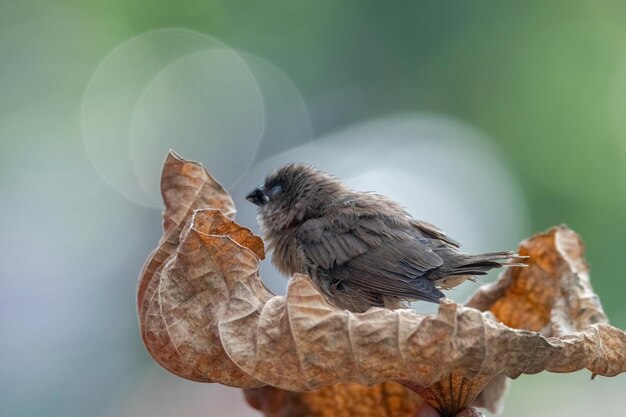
552, 296
208, 276
205, 315
342, 400
185, 186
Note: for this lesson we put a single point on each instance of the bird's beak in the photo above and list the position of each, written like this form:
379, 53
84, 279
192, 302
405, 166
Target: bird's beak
257, 197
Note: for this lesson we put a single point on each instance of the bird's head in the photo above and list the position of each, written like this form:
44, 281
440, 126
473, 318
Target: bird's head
292, 194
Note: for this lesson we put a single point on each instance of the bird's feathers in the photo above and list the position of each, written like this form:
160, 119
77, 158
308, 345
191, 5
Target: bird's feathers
361, 249
372, 251
434, 232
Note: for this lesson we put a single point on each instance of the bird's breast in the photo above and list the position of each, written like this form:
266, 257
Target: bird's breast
287, 255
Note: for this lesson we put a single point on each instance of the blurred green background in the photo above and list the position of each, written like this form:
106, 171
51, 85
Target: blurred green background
541, 85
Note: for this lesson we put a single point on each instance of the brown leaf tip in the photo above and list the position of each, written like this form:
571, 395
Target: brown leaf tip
212, 222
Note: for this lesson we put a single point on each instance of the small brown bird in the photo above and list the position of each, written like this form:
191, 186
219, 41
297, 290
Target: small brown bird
361, 249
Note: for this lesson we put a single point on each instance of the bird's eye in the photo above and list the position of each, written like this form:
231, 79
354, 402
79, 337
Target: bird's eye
274, 191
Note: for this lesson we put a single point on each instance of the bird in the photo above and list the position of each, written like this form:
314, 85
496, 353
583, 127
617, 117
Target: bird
361, 249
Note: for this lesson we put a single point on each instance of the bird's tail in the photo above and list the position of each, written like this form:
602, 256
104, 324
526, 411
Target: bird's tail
481, 264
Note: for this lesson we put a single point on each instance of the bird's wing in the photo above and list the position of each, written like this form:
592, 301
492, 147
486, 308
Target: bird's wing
433, 231
377, 253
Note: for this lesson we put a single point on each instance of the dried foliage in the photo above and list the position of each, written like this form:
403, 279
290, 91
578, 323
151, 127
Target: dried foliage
341, 400
205, 315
